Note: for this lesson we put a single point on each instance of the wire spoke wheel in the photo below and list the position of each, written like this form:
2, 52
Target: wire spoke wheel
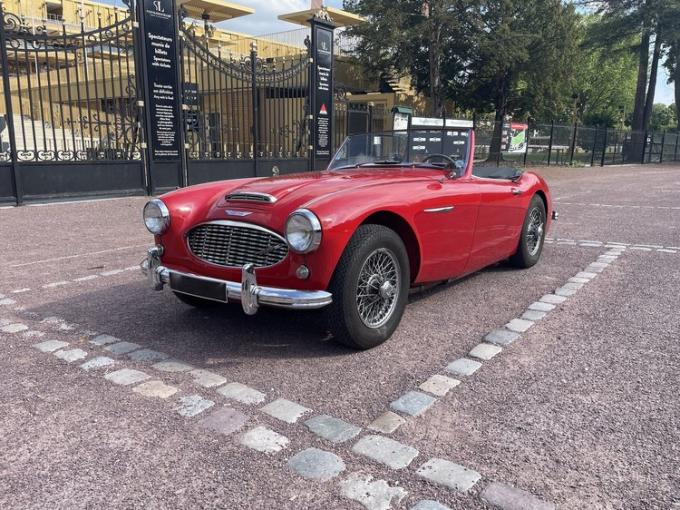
378, 288
535, 230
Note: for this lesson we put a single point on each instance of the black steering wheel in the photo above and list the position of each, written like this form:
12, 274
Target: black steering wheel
449, 163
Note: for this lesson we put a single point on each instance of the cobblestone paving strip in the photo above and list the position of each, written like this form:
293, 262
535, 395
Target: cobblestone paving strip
507, 497
126, 376
265, 440
316, 464
374, 495
224, 420
384, 450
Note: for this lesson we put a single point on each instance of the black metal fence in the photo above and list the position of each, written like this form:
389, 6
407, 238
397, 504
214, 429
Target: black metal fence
554, 144
70, 109
245, 114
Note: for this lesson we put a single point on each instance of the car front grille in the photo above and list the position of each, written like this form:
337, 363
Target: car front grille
233, 244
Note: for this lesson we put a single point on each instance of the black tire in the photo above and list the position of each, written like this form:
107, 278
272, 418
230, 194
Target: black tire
342, 315
525, 256
194, 301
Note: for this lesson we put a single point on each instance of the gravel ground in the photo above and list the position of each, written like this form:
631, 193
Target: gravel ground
581, 412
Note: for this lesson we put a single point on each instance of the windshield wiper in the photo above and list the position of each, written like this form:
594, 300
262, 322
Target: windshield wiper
386, 162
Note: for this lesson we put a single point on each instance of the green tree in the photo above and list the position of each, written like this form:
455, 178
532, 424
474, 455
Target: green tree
663, 118
521, 61
603, 80
418, 38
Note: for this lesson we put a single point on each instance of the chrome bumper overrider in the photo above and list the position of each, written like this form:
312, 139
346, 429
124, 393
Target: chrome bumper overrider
247, 290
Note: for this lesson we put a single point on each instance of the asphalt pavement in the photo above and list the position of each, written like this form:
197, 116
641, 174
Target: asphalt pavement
212, 409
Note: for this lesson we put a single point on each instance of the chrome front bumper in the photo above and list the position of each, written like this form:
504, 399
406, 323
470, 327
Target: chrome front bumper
247, 290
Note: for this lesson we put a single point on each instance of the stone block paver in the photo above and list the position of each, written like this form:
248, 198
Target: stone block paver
576, 279
586, 275
316, 464
451, 475
264, 440
464, 366
384, 450
206, 378
14, 328
595, 269
71, 355
241, 393
413, 403
501, 337
147, 356
122, 347
429, 504
126, 376
508, 497
332, 429
372, 494
50, 345
439, 385
541, 307
172, 365
156, 389
285, 410
519, 325
225, 420
552, 299
98, 362
191, 405
387, 422
485, 351
102, 340
565, 292
533, 315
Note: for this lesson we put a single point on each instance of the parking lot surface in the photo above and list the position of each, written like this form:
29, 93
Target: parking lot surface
115, 395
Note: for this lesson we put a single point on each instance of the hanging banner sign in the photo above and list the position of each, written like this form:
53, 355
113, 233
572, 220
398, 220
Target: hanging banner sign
323, 93
161, 40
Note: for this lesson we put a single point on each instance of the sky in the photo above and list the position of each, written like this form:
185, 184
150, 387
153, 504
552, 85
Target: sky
265, 21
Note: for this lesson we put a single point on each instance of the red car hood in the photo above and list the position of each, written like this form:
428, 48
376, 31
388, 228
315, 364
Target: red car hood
304, 188
207, 202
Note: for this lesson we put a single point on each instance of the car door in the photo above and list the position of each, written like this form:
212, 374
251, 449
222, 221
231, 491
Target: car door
445, 219
500, 217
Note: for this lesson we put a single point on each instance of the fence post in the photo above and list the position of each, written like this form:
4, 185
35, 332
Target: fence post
604, 147
644, 146
550, 144
16, 182
592, 152
663, 145
677, 141
255, 105
526, 151
573, 144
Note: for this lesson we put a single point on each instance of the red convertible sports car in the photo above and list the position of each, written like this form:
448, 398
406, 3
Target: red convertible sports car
392, 211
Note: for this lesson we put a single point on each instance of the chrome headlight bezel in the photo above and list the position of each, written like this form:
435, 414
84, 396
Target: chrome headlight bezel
160, 221
303, 231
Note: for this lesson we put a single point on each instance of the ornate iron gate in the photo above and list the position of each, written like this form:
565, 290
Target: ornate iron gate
244, 114
71, 122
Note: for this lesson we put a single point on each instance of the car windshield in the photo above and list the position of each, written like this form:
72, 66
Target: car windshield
416, 147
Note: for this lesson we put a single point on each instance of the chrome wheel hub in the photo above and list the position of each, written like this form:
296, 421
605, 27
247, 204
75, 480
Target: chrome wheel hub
535, 230
378, 288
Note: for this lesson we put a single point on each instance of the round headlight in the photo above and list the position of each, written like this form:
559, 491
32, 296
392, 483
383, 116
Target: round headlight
156, 216
303, 231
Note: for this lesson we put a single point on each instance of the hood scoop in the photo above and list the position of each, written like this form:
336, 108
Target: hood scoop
251, 196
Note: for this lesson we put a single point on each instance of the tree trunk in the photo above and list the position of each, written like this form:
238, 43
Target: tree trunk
649, 103
640, 91
675, 77
634, 150
435, 66
495, 147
